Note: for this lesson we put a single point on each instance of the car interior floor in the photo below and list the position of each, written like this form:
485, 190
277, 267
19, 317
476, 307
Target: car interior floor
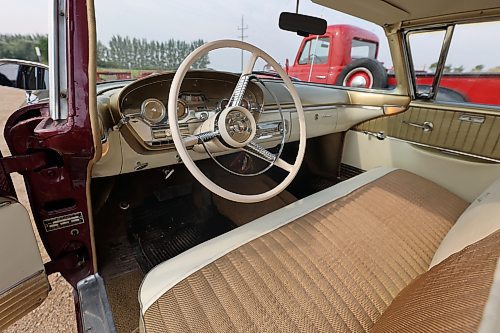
143, 219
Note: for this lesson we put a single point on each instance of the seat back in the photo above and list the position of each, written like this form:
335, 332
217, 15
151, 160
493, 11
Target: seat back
451, 297
479, 220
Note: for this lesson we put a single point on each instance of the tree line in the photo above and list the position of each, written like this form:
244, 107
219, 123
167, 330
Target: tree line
135, 53
119, 53
24, 46
459, 69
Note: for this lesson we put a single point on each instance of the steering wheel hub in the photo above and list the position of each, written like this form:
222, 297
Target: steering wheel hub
237, 126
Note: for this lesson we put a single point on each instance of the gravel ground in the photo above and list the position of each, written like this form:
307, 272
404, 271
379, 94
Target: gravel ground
57, 313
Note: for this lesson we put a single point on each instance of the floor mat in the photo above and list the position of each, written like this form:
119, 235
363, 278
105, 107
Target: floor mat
160, 230
122, 295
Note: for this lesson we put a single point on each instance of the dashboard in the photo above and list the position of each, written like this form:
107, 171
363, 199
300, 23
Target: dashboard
135, 129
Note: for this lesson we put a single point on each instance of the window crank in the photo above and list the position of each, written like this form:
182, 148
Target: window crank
426, 126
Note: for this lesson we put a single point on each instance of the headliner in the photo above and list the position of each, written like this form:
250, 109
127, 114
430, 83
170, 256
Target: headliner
393, 11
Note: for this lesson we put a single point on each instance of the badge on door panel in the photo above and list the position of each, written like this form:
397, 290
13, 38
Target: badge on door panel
64, 221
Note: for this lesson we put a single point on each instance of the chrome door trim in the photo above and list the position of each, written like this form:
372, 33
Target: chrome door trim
58, 68
327, 107
382, 136
471, 118
22, 281
442, 61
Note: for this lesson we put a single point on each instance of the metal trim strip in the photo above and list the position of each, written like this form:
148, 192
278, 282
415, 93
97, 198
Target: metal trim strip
445, 150
95, 311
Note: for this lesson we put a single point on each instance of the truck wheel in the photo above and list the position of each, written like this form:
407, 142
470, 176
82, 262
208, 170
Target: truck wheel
363, 73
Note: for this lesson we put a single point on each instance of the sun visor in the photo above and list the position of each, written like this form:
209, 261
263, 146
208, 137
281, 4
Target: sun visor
384, 12
376, 11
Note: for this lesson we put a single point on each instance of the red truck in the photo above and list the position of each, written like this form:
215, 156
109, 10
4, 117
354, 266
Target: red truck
347, 56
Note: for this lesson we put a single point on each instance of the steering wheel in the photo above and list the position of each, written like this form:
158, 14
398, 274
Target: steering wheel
233, 128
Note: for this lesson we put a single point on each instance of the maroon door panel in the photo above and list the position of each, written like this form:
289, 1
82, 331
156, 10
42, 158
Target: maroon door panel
57, 185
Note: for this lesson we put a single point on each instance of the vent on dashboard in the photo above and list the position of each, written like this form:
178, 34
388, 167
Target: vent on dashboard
162, 137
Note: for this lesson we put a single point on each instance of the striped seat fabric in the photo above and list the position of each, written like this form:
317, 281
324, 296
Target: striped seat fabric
336, 269
451, 297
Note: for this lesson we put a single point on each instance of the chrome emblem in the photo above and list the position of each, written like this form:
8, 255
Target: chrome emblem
238, 126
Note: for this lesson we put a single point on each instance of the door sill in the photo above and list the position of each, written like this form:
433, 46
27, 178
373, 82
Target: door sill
95, 311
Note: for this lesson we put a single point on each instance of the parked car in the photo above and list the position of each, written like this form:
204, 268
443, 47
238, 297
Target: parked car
30, 76
235, 201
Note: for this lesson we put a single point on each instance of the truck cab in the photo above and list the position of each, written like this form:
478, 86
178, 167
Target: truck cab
321, 59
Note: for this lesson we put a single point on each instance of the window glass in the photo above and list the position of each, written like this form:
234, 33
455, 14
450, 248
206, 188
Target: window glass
471, 73
363, 49
8, 74
161, 37
425, 50
305, 54
472, 70
315, 52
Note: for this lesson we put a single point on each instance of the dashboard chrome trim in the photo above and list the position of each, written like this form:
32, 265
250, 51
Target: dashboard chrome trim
327, 107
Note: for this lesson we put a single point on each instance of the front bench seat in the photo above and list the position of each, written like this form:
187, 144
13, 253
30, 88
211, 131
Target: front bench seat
332, 262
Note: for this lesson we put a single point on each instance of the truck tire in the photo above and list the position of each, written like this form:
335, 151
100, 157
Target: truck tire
363, 73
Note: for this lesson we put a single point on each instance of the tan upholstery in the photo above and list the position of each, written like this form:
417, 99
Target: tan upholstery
452, 133
450, 297
335, 269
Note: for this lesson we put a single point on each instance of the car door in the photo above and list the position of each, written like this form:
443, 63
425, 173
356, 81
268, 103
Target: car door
453, 137
29, 76
312, 62
23, 281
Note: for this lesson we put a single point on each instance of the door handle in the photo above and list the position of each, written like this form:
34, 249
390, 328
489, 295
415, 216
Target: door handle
379, 135
321, 77
426, 126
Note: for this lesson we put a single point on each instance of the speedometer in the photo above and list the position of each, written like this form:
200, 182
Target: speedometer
182, 109
153, 110
223, 103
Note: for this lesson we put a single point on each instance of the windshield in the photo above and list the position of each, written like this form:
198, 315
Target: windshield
138, 38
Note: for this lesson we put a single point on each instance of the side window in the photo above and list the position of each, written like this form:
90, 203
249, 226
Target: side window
471, 69
425, 48
305, 55
321, 47
315, 51
8, 74
363, 49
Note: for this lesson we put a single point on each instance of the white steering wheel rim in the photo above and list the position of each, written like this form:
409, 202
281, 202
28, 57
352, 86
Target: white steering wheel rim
183, 151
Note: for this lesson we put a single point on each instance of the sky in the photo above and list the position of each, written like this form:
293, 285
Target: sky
219, 19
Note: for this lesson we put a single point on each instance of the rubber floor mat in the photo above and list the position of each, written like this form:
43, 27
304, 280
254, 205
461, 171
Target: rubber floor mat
162, 230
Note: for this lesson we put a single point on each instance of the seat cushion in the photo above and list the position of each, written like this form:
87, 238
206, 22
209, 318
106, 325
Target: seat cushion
336, 268
450, 297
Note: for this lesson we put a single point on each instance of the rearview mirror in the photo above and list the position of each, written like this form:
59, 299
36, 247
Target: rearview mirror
303, 25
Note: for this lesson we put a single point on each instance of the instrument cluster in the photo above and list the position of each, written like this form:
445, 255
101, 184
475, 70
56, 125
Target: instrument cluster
144, 103
154, 111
